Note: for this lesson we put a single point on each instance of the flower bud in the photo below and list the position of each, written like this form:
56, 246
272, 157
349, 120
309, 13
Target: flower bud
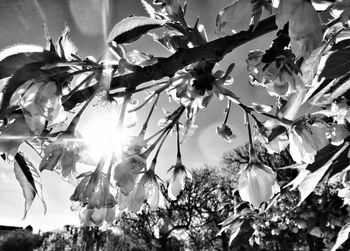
257, 184
179, 174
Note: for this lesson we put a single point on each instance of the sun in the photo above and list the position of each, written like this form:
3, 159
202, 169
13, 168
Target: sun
99, 131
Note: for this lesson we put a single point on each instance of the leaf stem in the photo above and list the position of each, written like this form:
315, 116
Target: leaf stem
227, 111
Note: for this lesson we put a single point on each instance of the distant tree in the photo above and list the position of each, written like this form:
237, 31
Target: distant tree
21, 240
311, 226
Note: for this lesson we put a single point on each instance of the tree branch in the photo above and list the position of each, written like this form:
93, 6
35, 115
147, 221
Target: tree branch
167, 67
214, 50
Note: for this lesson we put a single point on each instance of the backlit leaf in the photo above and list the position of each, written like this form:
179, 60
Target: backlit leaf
132, 28
29, 178
343, 235
236, 17
17, 56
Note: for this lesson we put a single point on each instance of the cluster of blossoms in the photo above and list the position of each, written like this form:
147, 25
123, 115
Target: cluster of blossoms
305, 64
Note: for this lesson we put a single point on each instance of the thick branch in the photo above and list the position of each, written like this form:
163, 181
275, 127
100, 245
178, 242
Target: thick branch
167, 67
214, 50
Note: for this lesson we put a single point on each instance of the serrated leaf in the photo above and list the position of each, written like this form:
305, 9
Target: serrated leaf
132, 28
29, 179
17, 56
343, 235
337, 64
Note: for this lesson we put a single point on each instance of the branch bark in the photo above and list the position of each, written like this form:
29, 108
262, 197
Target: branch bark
167, 67
214, 50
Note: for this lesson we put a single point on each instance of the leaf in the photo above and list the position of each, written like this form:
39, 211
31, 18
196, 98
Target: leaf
29, 179
343, 235
132, 28
261, 108
276, 131
337, 64
27, 72
310, 181
65, 46
235, 229
17, 56
236, 17
149, 9
52, 154
343, 44
322, 156
31, 71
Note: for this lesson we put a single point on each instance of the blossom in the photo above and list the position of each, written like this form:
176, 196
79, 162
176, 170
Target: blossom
179, 173
277, 76
170, 8
275, 145
98, 215
305, 140
41, 104
338, 133
225, 131
304, 24
257, 183
62, 155
126, 172
148, 190
93, 190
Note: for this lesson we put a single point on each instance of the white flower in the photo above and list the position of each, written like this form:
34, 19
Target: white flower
338, 133
126, 172
146, 190
62, 155
41, 104
304, 24
225, 132
97, 215
257, 184
305, 141
179, 173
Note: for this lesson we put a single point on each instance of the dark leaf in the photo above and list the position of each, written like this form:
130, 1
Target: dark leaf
132, 28
323, 156
340, 163
337, 64
29, 179
15, 57
341, 45
278, 130
27, 72
321, 85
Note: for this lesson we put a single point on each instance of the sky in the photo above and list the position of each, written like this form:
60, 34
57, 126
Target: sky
22, 22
